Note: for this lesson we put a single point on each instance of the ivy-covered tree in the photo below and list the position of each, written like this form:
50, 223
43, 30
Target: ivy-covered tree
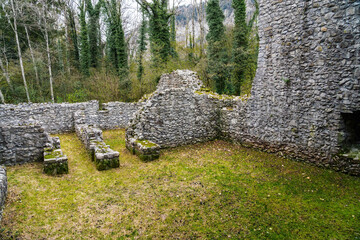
240, 45
93, 31
218, 58
141, 47
159, 33
173, 52
73, 38
84, 43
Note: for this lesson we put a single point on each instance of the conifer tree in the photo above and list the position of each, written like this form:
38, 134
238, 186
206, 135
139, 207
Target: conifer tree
141, 47
173, 52
217, 56
93, 31
159, 33
240, 45
73, 38
84, 43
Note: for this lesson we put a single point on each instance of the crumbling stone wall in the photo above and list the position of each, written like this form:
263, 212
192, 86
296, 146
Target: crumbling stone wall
22, 143
116, 114
53, 117
177, 113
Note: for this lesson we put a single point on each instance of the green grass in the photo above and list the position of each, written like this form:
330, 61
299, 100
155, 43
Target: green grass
214, 190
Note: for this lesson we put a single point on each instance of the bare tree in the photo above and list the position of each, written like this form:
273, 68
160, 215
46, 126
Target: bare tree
201, 16
15, 29
32, 57
2, 97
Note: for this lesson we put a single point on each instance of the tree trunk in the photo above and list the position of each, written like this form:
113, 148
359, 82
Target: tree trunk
2, 97
33, 60
5, 73
19, 50
48, 54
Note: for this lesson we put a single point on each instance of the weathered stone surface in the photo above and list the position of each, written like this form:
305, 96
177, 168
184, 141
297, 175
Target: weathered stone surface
22, 143
116, 114
55, 162
144, 149
3, 189
103, 156
53, 117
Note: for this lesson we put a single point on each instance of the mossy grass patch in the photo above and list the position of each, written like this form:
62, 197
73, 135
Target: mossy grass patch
214, 190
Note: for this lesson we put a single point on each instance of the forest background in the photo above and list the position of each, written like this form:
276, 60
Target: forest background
116, 50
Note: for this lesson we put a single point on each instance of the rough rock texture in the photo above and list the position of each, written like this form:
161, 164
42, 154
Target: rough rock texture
53, 117
3, 189
103, 156
22, 143
116, 114
144, 149
307, 78
55, 162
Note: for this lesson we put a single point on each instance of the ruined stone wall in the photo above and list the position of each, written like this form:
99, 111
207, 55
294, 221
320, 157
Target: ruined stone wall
177, 113
22, 143
116, 114
3, 189
55, 118
308, 75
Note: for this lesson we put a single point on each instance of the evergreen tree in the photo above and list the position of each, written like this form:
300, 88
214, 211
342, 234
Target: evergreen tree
159, 32
240, 45
73, 39
93, 31
84, 44
117, 44
173, 52
217, 56
141, 47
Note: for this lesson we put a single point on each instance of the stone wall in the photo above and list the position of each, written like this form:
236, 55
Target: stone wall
178, 112
307, 78
22, 143
55, 118
116, 114
3, 189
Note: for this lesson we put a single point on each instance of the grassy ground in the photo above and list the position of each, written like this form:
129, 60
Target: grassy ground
214, 190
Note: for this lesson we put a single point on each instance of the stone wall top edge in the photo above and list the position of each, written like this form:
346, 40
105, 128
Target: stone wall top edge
24, 105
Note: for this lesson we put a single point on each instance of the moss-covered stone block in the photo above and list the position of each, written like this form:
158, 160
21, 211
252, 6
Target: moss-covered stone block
105, 164
144, 149
56, 166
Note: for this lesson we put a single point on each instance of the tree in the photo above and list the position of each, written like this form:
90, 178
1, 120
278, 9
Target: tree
72, 37
218, 58
240, 45
84, 43
159, 33
141, 47
173, 52
14, 26
93, 31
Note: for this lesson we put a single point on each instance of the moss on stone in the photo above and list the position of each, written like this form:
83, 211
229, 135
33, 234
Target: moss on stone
56, 168
105, 164
146, 143
53, 154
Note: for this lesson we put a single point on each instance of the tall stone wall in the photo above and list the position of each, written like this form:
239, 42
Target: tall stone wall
307, 78
22, 143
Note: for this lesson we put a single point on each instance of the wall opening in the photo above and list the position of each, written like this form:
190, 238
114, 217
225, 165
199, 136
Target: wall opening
351, 134
351, 128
